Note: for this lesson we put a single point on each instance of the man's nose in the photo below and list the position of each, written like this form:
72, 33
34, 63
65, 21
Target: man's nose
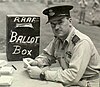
57, 27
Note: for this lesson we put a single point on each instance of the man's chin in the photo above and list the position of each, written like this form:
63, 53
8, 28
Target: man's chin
60, 36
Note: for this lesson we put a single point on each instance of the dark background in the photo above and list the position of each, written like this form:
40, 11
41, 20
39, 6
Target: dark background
19, 50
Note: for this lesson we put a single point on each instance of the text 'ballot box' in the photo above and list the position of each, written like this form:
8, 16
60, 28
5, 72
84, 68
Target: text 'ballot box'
23, 36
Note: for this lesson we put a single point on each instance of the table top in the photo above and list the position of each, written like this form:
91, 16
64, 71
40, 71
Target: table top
22, 79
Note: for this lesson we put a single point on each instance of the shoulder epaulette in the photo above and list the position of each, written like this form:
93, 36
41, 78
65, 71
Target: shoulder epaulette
75, 39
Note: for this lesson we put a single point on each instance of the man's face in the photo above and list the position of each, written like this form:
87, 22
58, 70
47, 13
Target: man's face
60, 27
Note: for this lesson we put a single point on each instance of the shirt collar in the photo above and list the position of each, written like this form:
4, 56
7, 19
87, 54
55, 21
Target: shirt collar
71, 35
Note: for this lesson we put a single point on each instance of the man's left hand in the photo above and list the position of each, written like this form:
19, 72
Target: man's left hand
34, 72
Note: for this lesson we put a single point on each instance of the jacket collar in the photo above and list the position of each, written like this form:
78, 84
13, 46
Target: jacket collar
71, 35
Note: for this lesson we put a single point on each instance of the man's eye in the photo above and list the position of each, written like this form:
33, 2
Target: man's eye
53, 25
60, 22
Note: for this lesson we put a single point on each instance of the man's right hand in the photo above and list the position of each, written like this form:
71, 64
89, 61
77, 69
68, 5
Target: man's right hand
33, 63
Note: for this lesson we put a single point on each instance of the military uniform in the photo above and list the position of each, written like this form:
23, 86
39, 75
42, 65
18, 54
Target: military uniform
77, 56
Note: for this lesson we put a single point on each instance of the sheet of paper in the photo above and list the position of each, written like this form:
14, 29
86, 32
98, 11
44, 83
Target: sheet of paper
26, 64
3, 63
6, 80
6, 70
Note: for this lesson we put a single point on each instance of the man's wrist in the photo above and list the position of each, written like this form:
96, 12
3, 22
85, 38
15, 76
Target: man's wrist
42, 76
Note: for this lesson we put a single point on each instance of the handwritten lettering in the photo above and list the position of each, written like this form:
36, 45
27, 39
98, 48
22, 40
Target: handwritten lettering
25, 19
19, 50
15, 38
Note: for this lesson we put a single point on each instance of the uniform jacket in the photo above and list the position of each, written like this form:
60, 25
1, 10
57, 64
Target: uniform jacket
77, 56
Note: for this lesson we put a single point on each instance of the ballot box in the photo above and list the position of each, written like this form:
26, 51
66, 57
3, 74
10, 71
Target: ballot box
22, 36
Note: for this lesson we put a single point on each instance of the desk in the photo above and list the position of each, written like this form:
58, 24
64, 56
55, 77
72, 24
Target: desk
22, 79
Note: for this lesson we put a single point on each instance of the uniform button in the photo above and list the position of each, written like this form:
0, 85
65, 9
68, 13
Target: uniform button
63, 57
66, 52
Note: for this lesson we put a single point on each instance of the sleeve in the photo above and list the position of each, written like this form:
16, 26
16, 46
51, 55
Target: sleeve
47, 58
77, 65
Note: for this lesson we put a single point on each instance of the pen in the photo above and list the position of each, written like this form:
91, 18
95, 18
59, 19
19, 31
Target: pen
14, 67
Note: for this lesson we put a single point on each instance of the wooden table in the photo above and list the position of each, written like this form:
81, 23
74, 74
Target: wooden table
22, 79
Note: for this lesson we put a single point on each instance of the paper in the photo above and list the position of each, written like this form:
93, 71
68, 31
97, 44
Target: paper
6, 70
26, 64
3, 63
6, 80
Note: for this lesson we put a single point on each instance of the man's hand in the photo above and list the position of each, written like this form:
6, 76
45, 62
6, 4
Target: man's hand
34, 72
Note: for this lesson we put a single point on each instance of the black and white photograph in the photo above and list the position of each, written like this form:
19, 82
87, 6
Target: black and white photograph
49, 43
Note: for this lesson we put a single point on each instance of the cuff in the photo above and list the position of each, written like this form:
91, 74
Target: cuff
51, 75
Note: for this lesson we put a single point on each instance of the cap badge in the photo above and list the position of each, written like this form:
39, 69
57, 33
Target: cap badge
51, 13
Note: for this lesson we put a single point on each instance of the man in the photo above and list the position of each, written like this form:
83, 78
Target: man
74, 50
95, 4
94, 10
83, 5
